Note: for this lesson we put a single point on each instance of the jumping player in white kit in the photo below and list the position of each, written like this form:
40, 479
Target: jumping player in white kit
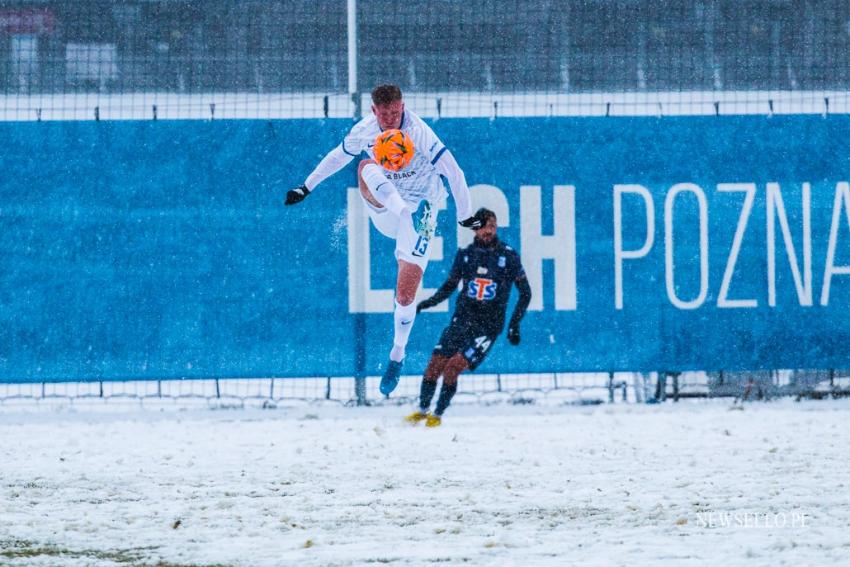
401, 204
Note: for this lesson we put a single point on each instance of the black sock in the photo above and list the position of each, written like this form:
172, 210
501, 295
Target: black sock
426, 394
446, 395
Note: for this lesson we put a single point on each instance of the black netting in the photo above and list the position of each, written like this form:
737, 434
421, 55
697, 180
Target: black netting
290, 57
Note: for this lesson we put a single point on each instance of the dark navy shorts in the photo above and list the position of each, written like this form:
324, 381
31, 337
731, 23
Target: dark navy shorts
474, 343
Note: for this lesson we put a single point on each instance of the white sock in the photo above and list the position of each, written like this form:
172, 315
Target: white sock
397, 353
403, 317
383, 189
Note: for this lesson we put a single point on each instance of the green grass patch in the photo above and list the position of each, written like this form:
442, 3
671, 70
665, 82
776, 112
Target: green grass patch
22, 549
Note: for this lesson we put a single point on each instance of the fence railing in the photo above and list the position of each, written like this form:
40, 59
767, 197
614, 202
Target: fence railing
522, 389
499, 47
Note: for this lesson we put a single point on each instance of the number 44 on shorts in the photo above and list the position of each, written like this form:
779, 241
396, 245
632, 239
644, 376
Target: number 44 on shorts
482, 343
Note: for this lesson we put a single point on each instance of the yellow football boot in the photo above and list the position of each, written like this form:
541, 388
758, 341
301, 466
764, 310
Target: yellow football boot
416, 417
433, 420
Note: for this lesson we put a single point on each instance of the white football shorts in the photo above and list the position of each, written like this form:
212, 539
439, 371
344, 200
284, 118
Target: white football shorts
410, 245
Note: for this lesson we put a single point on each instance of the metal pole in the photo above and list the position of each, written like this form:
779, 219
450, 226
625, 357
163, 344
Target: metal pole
360, 359
359, 317
352, 58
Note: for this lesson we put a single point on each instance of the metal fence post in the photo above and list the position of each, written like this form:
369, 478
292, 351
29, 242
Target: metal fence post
360, 317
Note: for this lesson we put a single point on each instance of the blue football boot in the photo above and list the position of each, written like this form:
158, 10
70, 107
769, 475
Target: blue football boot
391, 377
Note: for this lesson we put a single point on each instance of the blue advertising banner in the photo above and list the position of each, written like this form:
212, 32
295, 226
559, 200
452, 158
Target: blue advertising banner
144, 250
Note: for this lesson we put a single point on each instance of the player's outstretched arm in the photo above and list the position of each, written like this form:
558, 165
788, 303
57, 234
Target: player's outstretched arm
519, 310
448, 168
446, 290
330, 164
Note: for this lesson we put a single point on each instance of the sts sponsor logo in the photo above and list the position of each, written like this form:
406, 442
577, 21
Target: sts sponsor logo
481, 289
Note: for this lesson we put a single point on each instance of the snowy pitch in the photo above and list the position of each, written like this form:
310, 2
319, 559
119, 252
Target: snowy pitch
677, 484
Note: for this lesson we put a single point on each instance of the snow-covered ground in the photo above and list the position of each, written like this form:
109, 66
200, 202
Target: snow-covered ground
676, 484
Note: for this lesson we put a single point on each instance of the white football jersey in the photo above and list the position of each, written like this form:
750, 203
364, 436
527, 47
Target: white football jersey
419, 180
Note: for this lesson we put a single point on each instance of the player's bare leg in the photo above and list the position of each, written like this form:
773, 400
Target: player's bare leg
454, 366
434, 370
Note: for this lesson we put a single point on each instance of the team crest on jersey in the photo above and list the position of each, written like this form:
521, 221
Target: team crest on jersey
481, 289
501, 261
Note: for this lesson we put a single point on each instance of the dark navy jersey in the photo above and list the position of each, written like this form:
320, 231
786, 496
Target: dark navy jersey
487, 274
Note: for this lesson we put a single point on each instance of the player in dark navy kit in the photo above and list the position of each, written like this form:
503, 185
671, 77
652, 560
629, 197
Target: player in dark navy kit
488, 269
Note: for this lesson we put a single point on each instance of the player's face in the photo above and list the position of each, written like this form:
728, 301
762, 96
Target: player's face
487, 233
389, 115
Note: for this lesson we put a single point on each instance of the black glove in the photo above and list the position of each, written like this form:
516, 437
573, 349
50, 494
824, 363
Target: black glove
513, 334
296, 195
474, 222
423, 305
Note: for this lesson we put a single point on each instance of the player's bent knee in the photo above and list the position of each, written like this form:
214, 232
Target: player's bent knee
360, 167
363, 163
364, 187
